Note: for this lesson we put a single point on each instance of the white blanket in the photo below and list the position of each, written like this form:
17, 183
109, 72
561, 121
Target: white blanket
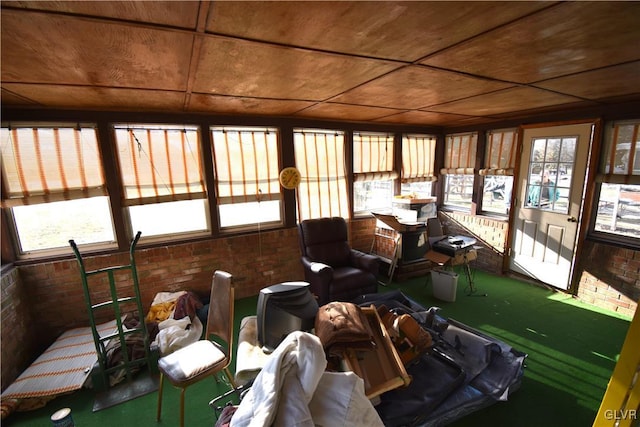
293, 390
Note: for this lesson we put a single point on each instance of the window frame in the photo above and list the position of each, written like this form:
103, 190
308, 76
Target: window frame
338, 191
272, 178
456, 165
497, 165
373, 166
127, 204
604, 175
61, 193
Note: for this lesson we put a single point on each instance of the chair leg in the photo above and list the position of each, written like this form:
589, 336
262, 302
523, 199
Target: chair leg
159, 410
182, 406
230, 378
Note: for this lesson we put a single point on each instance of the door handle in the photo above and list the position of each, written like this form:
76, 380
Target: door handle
572, 219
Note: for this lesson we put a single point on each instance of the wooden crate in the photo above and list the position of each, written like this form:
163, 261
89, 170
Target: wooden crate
381, 368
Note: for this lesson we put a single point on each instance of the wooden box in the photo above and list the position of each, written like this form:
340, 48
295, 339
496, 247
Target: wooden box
381, 368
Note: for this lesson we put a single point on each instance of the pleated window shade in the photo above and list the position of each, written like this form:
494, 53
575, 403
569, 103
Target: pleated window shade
621, 162
159, 164
246, 164
373, 157
460, 154
418, 158
500, 155
48, 164
320, 158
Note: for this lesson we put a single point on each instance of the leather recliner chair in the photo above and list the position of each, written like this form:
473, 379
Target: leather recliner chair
335, 271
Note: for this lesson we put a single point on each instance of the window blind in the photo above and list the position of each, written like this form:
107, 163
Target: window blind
48, 164
418, 157
373, 157
246, 164
159, 164
320, 157
460, 154
621, 162
500, 155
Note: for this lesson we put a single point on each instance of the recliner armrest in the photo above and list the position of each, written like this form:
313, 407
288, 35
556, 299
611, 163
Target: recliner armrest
321, 269
364, 261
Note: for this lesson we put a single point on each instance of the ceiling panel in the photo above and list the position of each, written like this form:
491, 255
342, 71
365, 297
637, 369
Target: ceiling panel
238, 105
567, 38
600, 84
335, 111
242, 68
414, 87
431, 118
57, 49
181, 13
384, 29
514, 99
87, 97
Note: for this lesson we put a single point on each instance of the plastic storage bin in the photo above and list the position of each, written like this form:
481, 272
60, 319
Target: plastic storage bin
445, 285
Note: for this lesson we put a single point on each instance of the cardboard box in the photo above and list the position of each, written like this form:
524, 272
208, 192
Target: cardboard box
381, 368
445, 285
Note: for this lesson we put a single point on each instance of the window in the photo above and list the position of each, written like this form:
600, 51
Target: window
459, 163
320, 157
373, 172
246, 168
163, 185
418, 159
500, 158
54, 187
618, 183
549, 173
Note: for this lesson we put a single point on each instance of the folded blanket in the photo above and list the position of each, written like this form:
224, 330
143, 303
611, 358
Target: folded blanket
341, 325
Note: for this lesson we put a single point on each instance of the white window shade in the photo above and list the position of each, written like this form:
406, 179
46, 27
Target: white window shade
460, 154
621, 160
418, 158
500, 155
373, 157
320, 157
246, 164
159, 164
48, 164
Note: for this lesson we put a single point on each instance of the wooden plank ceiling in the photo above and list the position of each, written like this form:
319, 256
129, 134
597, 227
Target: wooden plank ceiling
416, 63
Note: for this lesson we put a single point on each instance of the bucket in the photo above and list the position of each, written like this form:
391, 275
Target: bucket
62, 418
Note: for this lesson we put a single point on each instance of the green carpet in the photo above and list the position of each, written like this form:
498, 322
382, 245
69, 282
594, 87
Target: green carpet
572, 349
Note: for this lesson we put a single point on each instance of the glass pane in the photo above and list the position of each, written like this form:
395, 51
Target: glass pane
52, 225
549, 180
497, 194
250, 213
372, 195
552, 151
169, 217
619, 210
420, 189
458, 191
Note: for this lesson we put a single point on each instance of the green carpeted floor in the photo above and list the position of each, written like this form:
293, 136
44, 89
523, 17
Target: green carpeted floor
572, 349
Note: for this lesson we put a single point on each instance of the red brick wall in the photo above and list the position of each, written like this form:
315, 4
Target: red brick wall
19, 347
609, 277
491, 235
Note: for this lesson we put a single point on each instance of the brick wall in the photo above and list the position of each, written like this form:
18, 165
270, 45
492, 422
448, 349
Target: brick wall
19, 347
491, 235
609, 277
